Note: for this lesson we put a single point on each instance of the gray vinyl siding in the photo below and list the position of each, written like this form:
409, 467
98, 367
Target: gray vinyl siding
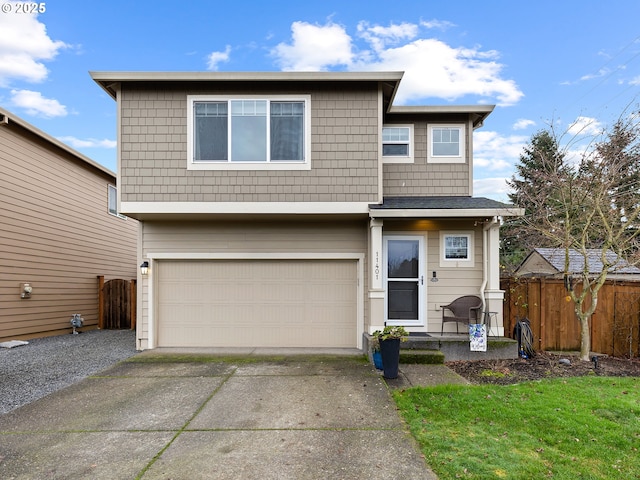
428, 179
56, 234
344, 149
251, 237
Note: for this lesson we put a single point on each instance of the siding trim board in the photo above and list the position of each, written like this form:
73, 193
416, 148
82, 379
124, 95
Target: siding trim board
140, 208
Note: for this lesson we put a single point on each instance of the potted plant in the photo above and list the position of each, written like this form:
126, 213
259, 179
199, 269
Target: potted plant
389, 340
375, 349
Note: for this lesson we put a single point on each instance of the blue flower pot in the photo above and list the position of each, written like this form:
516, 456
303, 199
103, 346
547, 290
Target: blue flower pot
377, 359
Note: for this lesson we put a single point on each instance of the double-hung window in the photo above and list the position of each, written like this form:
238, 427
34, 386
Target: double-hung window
397, 143
446, 144
249, 132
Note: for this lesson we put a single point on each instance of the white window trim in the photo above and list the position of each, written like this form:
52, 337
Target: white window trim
457, 263
398, 159
115, 192
431, 158
214, 165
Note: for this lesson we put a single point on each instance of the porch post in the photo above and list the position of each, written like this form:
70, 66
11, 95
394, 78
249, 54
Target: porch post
494, 297
376, 288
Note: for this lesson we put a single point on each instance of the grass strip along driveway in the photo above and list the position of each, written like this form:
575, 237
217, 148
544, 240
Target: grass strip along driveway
575, 428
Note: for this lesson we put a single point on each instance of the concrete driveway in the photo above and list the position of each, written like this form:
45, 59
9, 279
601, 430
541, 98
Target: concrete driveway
171, 416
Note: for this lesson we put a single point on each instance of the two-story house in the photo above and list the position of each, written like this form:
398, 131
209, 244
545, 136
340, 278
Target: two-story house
298, 209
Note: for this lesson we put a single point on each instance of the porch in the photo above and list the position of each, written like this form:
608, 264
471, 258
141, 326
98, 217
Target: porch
425, 348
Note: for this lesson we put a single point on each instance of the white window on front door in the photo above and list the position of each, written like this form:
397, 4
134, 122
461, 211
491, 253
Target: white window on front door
404, 280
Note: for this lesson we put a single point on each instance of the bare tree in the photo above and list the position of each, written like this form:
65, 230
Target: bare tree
592, 202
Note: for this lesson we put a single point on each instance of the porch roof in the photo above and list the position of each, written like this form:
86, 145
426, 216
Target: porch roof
454, 206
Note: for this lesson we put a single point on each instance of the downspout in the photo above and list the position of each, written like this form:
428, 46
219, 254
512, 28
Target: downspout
485, 260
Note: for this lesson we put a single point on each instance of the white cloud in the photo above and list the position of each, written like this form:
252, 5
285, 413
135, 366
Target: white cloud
451, 72
601, 73
314, 47
88, 143
438, 24
494, 187
379, 37
215, 58
523, 123
585, 126
495, 152
35, 104
432, 68
24, 46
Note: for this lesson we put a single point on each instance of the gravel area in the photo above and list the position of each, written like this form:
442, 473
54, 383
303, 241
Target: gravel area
45, 365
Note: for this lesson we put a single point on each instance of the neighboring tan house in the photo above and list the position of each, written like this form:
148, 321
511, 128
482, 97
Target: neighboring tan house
550, 262
298, 209
59, 230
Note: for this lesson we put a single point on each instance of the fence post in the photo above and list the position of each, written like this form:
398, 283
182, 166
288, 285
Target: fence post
542, 309
100, 302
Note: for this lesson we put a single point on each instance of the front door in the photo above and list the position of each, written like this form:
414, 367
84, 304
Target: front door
404, 280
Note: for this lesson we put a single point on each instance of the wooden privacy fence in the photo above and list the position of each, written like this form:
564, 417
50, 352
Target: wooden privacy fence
116, 304
615, 325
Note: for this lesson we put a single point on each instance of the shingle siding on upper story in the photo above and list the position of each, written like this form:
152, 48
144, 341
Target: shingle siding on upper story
421, 178
344, 149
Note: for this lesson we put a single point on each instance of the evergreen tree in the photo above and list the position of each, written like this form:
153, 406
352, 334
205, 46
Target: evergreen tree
540, 162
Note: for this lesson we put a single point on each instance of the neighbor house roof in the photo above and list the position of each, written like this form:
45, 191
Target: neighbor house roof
555, 257
455, 206
7, 119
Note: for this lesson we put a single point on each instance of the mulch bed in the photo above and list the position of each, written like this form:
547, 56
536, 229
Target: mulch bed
543, 365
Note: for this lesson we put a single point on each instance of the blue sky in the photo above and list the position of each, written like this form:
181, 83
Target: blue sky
572, 63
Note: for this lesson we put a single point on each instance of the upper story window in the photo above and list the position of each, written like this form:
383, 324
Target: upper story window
249, 133
112, 201
446, 144
397, 144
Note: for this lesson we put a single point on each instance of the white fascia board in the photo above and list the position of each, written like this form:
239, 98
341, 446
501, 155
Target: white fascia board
446, 213
296, 208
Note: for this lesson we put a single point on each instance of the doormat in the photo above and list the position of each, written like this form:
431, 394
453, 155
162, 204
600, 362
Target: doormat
418, 334
13, 343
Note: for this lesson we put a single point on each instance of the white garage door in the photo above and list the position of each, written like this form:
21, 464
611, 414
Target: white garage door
257, 303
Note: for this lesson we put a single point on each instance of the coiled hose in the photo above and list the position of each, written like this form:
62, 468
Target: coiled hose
524, 335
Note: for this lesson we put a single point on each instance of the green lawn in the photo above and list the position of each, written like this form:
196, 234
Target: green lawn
575, 428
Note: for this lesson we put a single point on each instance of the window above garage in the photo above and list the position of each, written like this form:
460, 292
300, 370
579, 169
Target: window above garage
249, 133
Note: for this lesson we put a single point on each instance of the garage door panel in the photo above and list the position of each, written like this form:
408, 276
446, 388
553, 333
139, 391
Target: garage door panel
279, 303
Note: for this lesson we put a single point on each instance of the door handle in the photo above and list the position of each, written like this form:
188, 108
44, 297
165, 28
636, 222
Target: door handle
421, 279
